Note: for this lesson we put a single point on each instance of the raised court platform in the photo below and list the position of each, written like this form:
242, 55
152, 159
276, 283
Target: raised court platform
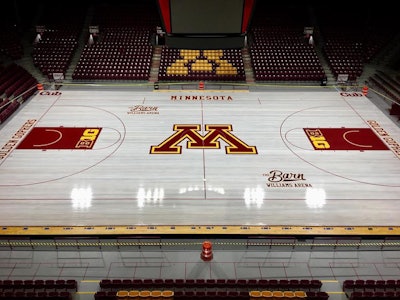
293, 162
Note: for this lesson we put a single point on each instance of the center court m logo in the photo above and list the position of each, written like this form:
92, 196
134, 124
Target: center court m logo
211, 140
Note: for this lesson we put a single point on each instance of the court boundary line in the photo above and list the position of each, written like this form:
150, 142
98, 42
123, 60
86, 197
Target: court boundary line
200, 230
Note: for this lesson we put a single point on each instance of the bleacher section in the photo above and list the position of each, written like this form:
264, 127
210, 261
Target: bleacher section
210, 289
206, 65
38, 289
10, 43
283, 54
53, 53
279, 50
54, 48
365, 289
122, 48
16, 86
350, 42
389, 87
124, 54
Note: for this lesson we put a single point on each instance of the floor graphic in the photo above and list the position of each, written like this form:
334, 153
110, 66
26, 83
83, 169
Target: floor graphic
60, 138
274, 158
344, 139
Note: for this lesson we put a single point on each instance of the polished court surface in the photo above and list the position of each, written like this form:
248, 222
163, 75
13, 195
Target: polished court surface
300, 161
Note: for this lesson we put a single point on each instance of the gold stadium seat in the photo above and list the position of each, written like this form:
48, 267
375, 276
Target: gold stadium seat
300, 294
267, 295
278, 295
255, 295
156, 294
287, 295
167, 295
145, 295
133, 295
122, 295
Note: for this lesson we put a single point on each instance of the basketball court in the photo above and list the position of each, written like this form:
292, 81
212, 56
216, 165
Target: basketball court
295, 161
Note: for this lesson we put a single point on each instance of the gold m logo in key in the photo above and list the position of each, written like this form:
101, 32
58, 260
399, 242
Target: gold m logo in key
211, 140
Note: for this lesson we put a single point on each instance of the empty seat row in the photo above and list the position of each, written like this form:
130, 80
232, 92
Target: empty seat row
388, 81
105, 295
385, 89
374, 295
245, 284
350, 285
44, 295
211, 295
144, 294
8, 111
250, 295
394, 109
267, 294
142, 76
38, 284
321, 295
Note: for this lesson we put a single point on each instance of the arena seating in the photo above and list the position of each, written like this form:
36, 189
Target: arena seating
278, 48
15, 80
350, 44
53, 53
10, 43
212, 288
39, 289
390, 88
359, 289
16, 85
118, 60
122, 49
58, 41
345, 56
194, 65
283, 54
308, 285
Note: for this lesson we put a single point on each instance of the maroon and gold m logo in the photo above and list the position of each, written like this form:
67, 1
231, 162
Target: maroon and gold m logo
195, 140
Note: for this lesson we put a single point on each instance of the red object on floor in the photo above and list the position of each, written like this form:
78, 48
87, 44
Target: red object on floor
206, 252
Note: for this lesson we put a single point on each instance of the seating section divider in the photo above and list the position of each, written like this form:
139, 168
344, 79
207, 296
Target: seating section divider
179, 288
363, 289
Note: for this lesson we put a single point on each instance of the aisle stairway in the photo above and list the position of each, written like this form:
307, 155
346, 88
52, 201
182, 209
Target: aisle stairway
248, 66
155, 64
